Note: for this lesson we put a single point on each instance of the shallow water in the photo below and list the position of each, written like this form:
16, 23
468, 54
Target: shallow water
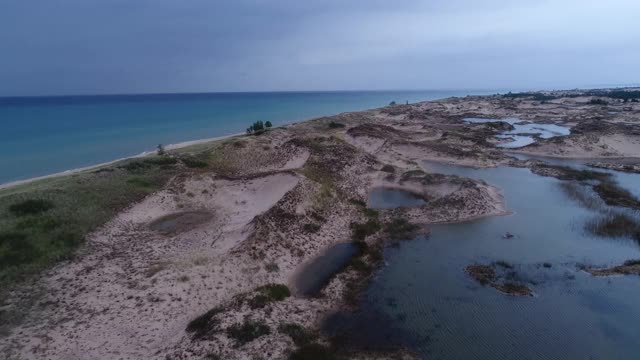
386, 198
424, 292
522, 129
316, 274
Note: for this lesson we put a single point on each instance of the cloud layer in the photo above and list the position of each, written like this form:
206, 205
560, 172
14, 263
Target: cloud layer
124, 46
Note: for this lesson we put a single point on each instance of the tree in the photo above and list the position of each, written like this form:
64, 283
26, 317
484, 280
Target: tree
392, 103
160, 149
268, 124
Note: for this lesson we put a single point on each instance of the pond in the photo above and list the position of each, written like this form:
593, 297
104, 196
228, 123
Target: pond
524, 132
424, 294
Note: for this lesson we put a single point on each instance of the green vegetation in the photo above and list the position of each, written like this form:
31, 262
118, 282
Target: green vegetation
268, 294
400, 228
45, 221
193, 162
615, 225
30, 207
259, 127
597, 102
388, 168
204, 324
311, 228
248, 331
393, 103
313, 352
335, 125
632, 262
297, 333
614, 195
360, 231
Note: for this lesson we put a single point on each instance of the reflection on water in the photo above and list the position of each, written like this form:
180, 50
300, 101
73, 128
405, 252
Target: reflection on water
424, 292
315, 275
524, 131
387, 198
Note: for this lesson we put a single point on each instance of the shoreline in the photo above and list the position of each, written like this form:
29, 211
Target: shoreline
143, 154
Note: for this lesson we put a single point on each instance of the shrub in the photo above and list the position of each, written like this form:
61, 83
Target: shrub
400, 228
311, 228
359, 232
313, 352
393, 103
275, 292
248, 331
256, 128
272, 267
268, 124
388, 168
160, 150
191, 162
335, 125
204, 324
297, 333
597, 102
31, 207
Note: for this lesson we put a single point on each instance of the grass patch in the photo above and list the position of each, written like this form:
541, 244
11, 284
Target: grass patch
194, 163
360, 231
204, 324
45, 221
248, 331
335, 125
311, 228
614, 195
30, 207
313, 352
268, 294
297, 333
400, 228
272, 267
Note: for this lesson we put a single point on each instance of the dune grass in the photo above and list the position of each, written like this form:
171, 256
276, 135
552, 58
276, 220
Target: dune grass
45, 221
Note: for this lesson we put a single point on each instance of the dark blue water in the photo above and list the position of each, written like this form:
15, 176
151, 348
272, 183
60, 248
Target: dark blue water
44, 135
424, 294
387, 198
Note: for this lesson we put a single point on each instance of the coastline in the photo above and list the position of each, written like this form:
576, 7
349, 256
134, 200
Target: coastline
175, 146
276, 201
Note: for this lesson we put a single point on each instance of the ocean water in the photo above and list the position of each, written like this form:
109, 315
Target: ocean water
45, 135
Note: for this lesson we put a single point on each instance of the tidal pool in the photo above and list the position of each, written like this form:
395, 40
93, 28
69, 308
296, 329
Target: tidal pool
388, 198
435, 308
524, 131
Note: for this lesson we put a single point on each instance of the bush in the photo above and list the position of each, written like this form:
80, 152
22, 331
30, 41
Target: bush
311, 228
400, 228
359, 232
248, 331
597, 102
191, 162
30, 207
335, 125
297, 333
268, 124
204, 324
275, 292
313, 352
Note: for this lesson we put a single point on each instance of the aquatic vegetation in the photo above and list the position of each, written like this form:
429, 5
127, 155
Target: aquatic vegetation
400, 228
615, 224
614, 195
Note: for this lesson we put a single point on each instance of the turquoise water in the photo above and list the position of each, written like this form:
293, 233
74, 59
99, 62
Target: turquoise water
45, 135
422, 297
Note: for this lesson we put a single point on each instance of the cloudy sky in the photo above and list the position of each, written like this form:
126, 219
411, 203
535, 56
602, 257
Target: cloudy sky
142, 46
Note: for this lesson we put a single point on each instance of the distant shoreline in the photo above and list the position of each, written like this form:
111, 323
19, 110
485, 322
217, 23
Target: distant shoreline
175, 146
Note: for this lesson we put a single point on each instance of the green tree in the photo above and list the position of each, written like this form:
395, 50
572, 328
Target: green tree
268, 124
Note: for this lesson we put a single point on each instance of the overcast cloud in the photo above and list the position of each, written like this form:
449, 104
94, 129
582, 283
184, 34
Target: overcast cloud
141, 46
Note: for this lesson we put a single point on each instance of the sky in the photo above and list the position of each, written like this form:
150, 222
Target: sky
61, 47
